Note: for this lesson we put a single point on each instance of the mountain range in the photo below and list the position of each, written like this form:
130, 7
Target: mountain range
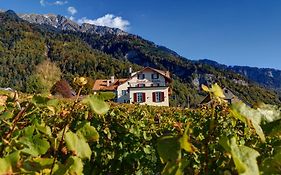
98, 52
267, 77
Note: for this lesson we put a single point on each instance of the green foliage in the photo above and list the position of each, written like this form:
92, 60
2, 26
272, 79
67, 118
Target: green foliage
272, 164
106, 95
65, 136
96, 104
77, 145
35, 85
244, 157
35, 145
8, 164
46, 136
45, 76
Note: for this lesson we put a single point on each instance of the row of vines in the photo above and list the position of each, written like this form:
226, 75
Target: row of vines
48, 135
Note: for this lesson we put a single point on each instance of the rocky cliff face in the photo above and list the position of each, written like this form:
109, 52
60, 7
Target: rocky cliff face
63, 23
270, 78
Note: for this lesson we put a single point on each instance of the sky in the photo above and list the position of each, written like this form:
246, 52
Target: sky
232, 32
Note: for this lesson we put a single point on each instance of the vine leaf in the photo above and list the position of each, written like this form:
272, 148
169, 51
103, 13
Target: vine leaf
35, 145
38, 164
96, 104
78, 145
184, 141
168, 148
244, 157
205, 88
176, 167
88, 132
249, 116
73, 165
6, 115
44, 129
272, 165
273, 128
2, 108
217, 91
9, 163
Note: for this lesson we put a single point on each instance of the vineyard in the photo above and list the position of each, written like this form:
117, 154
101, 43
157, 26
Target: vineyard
49, 135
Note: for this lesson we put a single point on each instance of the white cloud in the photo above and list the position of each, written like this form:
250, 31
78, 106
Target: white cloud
42, 2
72, 10
60, 2
108, 20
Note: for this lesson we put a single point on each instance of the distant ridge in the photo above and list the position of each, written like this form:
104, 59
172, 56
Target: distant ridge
268, 77
63, 23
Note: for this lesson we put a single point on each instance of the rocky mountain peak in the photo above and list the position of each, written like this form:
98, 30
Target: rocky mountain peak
63, 23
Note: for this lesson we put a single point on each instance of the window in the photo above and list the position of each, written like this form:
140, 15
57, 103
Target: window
155, 84
141, 76
141, 85
155, 76
158, 96
124, 92
139, 97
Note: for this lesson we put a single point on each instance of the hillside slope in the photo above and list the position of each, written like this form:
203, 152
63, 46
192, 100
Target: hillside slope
270, 78
101, 53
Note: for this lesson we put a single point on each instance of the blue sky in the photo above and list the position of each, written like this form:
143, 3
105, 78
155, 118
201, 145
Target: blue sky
233, 32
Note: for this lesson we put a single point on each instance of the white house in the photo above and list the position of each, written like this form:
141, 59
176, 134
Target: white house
148, 86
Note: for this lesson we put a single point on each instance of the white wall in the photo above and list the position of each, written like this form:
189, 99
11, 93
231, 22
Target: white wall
147, 80
148, 95
148, 90
122, 98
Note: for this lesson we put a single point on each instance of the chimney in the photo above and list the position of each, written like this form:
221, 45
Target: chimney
130, 71
112, 79
107, 83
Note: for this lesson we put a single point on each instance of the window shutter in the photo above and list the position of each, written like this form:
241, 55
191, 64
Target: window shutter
135, 97
143, 76
152, 77
153, 96
143, 97
162, 96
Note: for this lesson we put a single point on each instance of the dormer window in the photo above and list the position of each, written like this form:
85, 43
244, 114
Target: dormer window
141, 76
155, 76
141, 85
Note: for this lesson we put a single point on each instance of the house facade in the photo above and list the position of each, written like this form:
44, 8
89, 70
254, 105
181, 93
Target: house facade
148, 86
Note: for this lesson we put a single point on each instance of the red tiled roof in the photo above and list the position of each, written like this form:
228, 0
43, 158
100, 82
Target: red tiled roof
101, 85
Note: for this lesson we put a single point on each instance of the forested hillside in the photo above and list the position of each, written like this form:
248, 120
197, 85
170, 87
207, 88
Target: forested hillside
24, 45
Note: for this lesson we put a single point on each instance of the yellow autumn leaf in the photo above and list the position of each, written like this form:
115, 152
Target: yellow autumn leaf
217, 91
205, 88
